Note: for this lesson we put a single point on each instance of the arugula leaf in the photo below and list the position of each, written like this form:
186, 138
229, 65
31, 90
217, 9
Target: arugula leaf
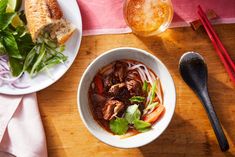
145, 86
141, 125
119, 126
137, 99
16, 66
11, 45
6, 19
132, 113
3, 6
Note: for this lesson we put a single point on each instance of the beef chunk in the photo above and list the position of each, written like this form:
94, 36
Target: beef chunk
97, 99
109, 81
134, 87
111, 109
120, 70
115, 89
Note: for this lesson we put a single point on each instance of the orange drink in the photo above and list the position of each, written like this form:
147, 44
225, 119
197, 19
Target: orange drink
148, 17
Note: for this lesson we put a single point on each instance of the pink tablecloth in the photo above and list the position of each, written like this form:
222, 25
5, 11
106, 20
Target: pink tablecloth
105, 16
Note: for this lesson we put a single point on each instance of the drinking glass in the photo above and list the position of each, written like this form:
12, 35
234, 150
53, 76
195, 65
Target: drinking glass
148, 17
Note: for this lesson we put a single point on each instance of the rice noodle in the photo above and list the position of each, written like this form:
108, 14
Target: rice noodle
152, 75
159, 91
149, 77
142, 75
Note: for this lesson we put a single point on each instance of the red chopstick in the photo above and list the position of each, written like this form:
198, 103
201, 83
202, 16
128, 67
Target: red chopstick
219, 47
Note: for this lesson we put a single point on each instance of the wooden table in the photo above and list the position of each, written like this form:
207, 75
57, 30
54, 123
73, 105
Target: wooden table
188, 135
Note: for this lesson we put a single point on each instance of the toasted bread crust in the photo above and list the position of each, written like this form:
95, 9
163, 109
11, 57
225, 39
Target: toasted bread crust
66, 37
54, 9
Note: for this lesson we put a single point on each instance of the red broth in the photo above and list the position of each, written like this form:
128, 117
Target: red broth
114, 86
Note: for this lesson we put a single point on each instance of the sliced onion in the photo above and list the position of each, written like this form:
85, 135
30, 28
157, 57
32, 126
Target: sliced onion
7, 78
20, 86
4, 65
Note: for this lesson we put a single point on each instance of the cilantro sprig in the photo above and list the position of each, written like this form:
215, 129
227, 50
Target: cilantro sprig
119, 126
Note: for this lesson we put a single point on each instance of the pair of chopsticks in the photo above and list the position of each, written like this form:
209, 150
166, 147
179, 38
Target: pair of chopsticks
219, 47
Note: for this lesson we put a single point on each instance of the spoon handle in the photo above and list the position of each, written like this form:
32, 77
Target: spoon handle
204, 96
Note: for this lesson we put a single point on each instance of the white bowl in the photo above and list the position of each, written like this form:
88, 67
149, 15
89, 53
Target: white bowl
167, 85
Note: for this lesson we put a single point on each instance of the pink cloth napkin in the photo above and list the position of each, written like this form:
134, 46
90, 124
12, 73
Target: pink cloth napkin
21, 129
106, 16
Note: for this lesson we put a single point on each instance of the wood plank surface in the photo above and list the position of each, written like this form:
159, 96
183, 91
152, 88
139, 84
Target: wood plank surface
188, 135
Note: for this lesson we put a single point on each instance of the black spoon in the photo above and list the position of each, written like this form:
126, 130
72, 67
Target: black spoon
193, 70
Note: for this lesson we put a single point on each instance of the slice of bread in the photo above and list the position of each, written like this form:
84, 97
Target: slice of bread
46, 16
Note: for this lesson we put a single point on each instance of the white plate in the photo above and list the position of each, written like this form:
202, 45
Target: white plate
71, 13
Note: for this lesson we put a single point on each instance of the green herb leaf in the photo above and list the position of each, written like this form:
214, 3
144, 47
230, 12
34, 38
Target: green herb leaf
137, 99
132, 113
16, 66
5, 20
11, 45
141, 125
145, 86
24, 41
3, 6
119, 126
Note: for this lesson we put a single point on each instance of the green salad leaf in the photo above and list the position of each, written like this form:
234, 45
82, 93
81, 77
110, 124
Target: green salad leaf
5, 20
119, 126
132, 113
2, 47
11, 45
137, 99
3, 6
16, 66
141, 125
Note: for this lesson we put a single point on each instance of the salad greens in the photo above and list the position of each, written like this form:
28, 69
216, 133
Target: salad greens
17, 44
132, 117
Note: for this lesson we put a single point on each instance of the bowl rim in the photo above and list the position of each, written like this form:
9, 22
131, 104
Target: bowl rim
88, 69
